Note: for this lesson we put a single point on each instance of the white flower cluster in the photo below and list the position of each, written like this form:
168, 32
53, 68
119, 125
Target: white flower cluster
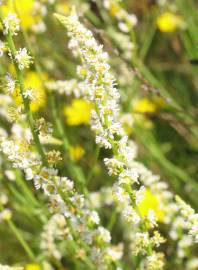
67, 87
2, 48
125, 21
23, 59
10, 84
190, 217
100, 89
72, 215
72, 218
11, 24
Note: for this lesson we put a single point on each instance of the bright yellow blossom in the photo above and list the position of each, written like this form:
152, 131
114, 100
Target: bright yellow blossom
145, 105
33, 81
150, 201
76, 152
114, 9
32, 266
169, 22
25, 9
78, 112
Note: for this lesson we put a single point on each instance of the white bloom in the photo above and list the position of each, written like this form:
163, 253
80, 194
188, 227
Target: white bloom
23, 59
103, 234
11, 23
113, 165
94, 217
128, 176
10, 83
151, 218
2, 48
29, 94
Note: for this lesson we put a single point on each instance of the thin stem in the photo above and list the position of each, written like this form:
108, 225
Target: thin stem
75, 171
23, 243
26, 102
20, 238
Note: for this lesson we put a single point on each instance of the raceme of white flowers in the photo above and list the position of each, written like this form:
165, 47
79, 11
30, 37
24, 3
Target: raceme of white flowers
99, 88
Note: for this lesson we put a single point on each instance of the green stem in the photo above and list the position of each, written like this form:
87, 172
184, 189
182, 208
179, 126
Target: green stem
26, 102
75, 171
21, 240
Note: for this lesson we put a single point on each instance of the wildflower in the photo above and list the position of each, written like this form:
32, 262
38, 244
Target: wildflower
76, 152
151, 218
44, 176
93, 218
78, 112
32, 266
105, 116
23, 59
2, 48
125, 21
140, 243
155, 261
44, 128
67, 87
33, 82
128, 177
190, 217
149, 202
114, 166
54, 157
130, 215
29, 94
169, 22
157, 239
144, 105
11, 24
10, 84
115, 252
26, 9
101, 235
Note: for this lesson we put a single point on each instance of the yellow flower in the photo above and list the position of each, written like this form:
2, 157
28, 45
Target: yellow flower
114, 9
76, 152
33, 81
144, 105
169, 22
32, 266
25, 9
150, 201
78, 112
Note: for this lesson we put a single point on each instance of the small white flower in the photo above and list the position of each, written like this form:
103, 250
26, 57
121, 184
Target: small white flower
29, 94
151, 218
10, 83
2, 48
94, 217
23, 59
11, 23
